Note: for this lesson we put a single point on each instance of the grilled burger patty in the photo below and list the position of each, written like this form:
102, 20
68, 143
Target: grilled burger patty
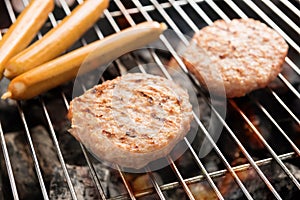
240, 56
131, 120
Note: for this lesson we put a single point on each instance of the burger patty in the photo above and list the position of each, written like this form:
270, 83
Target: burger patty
239, 56
131, 120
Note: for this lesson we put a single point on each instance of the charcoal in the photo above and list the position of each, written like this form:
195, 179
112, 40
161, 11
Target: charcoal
258, 189
1, 188
115, 184
142, 182
82, 182
45, 151
177, 194
71, 149
22, 163
230, 190
110, 179
202, 191
283, 184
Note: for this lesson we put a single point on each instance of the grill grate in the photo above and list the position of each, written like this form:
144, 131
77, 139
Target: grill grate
184, 17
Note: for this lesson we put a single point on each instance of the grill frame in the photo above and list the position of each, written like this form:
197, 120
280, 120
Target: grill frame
161, 7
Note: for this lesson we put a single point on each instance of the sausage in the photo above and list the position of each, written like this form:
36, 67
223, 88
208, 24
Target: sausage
58, 39
24, 29
65, 68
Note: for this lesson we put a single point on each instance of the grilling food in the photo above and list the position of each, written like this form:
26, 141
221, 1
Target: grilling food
23, 30
131, 120
65, 68
58, 39
240, 56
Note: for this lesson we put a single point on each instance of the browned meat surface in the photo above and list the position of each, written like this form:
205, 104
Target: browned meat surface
239, 56
131, 120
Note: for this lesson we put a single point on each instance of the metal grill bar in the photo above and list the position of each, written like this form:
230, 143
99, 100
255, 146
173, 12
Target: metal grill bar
277, 125
155, 184
272, 24
184, 15
92, 169
85, 153
32, 151
170, 21
226, 18
206, 174
292, 65
73, 194
117, 29
64, 167
291, 7
236, 9
6, 156
246, 154
149, 8
95, 178
127, 185
282, 15
100, 35
8, 165
262, 139
289, 85
200, 12
239, 168
285, 107
220, 12
275, 156
184, 185
157, 188
152, 178
165, 41
60, 157
161, 7
244, 16
127, 16
10, 10
217, 174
